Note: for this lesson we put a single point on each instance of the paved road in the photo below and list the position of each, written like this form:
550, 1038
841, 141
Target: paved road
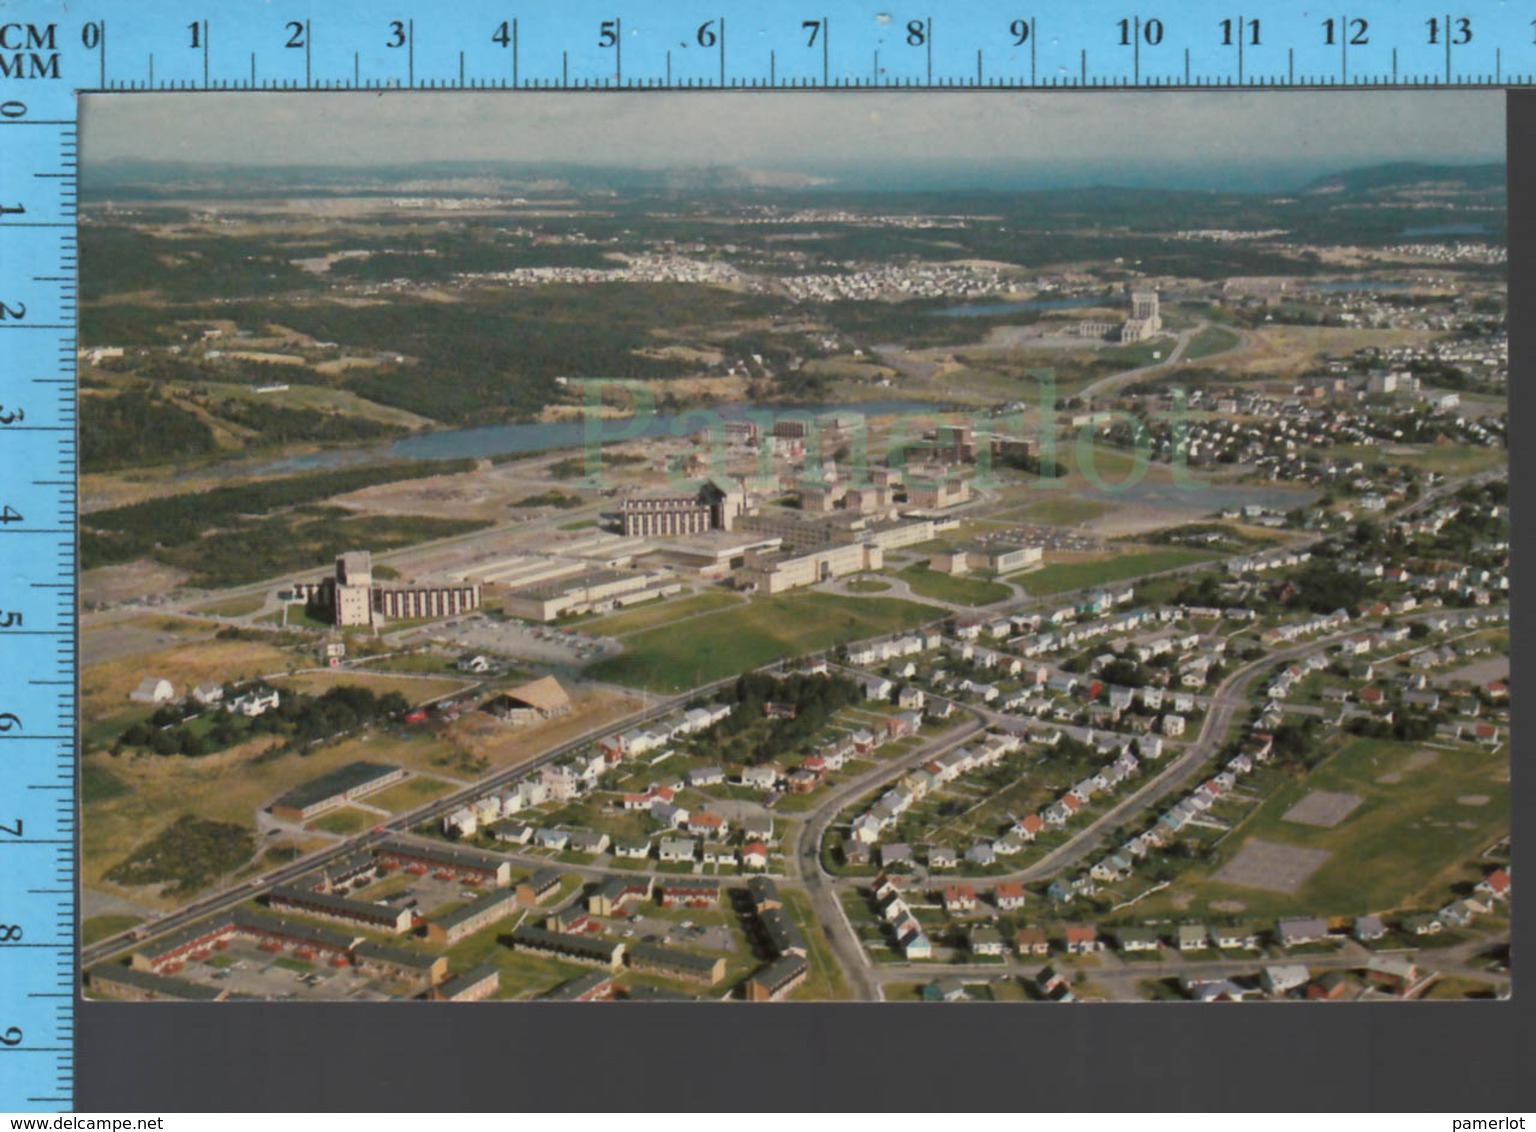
805, 846
1121, 979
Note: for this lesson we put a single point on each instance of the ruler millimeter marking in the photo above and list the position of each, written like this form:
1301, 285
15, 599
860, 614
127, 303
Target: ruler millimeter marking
837, 44
49, 53
37, 587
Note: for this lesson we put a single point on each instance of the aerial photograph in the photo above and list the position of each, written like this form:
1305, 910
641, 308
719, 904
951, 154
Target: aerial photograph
899, 547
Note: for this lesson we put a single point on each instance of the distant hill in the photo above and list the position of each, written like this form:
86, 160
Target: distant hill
1405, 175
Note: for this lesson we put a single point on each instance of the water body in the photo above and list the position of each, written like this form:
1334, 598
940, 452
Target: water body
511, 439
1465, 228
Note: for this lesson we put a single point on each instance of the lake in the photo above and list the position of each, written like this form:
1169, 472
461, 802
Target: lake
487, 441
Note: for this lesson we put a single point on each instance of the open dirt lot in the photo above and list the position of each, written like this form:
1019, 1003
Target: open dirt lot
1322, 808
1271, 866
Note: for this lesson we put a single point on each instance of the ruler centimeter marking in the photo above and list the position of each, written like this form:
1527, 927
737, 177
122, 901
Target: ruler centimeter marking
50, 53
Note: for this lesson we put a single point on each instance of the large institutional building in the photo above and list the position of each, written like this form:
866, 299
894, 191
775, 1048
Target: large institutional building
353, 598
1145, 321
714, 507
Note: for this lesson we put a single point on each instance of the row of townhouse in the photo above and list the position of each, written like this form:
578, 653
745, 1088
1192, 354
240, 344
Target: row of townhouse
911, 939
1274, 560
878, 652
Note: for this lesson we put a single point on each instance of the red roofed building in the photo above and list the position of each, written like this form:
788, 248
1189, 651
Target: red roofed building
1009, 895
1082, 939
959, 898
711, 825
754, 855
1029, 826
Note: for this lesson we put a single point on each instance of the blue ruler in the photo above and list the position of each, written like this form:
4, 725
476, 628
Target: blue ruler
49, 52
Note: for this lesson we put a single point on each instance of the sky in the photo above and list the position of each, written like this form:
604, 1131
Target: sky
1145, 137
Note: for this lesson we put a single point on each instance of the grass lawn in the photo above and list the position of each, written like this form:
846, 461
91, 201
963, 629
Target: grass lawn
98, 928
1456, 987
98, 784
1078, 575
579, 525
295, 617
229, 786
1061, 510
867, 586
1211, 340
1448, 459
1408, 841
345, 821
957, 590
826, 981
751, 635
409, 794
234, 607
652, 614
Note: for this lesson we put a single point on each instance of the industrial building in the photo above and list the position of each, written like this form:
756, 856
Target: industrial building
589, 591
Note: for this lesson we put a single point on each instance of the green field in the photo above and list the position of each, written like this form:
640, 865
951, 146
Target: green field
235, 606
98, 784
1060, 510
675, 658
956, 590
97, 928
344, 821
1065, 576
1447, 459
825, 982
659, 613
1408, 842
867, 586
1211, 340
409, 794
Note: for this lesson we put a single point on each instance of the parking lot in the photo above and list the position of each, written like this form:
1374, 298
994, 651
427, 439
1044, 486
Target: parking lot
244, 969
540, 643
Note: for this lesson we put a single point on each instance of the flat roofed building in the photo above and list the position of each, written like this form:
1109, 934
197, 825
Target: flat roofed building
473, 917
467, 864
340, 786
716, 506
477, 983
693, 893
594, 986
543, 884
778, 979
326, 906
352, 598
398, 963
131, 984
676, 963
576, 948
589, 591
